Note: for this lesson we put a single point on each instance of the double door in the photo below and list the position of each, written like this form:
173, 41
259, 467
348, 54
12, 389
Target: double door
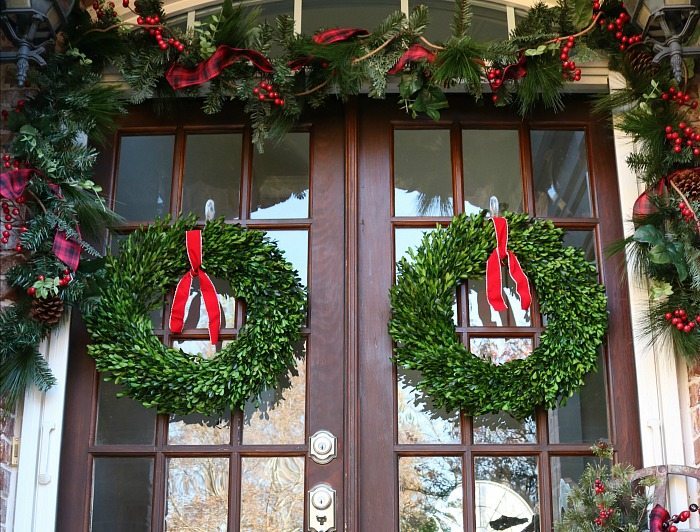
345, 195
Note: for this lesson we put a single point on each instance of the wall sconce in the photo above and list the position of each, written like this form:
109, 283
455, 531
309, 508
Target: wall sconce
30, 25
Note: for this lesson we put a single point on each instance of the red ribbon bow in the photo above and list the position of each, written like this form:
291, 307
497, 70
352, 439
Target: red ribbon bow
415, 53
494, 282
182, 292
658, 516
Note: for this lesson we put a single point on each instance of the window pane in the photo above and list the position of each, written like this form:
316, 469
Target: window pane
430, 494
277, 415
560, 168
197, 494
196, 429
122, 420
584, 240
481, 314
318, 14
294, 246
501, 350
272, 493
144, 178
584, 418
212, 171
487, 175
419, 420
488, 24
121, 494
566, 471
506, 492
202, 348
503, 428
422, 173
280, 186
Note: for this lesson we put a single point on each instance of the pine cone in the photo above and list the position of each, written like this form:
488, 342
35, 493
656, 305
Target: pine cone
640, 60
47, 310
688, 181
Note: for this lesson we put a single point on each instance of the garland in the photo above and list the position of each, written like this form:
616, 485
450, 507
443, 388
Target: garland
454, 378
151, 261
232, 52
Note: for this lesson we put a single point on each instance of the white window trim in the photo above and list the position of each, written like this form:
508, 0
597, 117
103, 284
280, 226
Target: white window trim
40, 440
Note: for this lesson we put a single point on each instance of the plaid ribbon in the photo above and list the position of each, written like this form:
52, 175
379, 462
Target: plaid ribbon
13, 185
338, 35
657, 518
180, 76
494, 281
415, 53
514, 71
643, 206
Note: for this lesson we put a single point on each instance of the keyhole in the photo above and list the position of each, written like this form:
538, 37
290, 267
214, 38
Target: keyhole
321, 500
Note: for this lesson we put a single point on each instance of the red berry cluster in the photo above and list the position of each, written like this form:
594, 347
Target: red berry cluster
617, 27
683, 136
104, 11
10, 214
599, 486
265, 92
679, 97
686, 212
679, 319
157, 31
568, 68
603, 515
494, 75
9, 162
679, 518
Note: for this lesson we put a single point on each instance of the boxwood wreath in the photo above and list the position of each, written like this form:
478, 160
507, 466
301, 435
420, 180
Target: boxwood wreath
151, 261
453, 377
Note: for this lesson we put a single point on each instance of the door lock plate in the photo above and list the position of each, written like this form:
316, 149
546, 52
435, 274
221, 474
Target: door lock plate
323, 447
322, 508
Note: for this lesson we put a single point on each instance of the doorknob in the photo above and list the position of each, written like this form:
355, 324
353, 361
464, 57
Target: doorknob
322, 508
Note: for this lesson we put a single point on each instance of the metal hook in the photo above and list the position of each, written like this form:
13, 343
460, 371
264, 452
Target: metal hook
209, 210
494, 207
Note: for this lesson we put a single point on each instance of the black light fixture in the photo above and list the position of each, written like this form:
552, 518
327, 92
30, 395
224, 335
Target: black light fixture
667, 24
30, 25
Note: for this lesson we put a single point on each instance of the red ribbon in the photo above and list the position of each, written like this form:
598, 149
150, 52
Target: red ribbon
180, 76
206, 287
643, 206
338, 35
494, 282
413, 54
657, 517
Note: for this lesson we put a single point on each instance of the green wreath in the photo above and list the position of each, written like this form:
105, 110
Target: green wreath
151, 261
423, 331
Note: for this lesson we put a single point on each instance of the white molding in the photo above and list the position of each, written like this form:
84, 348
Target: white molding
42, 428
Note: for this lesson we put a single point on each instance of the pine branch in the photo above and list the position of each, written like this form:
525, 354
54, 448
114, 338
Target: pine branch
459, 63
462, 20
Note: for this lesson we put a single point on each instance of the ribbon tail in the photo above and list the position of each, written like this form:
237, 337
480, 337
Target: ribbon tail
494, 294
211, 303
177, 312
522, 284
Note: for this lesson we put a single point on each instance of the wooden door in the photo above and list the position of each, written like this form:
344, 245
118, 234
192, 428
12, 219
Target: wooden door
345, 195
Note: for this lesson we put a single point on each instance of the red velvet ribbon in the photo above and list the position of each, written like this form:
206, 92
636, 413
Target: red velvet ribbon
415, 53
494, 281
657, 517
206, 287
643, 206
180, 76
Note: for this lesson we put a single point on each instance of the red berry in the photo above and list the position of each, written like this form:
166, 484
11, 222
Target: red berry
8, 226
180, 47
261, 97
139, 20
21, 200
668, 316
41, 277
680, 326
23, 229
8, 218
125, 3
6, 234
31, 291
673, 528
162, 45
687, 328
677, 149
494, 98
18, 247
4, 240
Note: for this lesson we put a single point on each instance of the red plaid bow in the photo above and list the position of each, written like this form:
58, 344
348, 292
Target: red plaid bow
338, 35
494, 282
180, 76
643, 206
13, 185
413, 54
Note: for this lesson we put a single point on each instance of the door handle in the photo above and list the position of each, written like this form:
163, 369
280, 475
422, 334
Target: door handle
322, 508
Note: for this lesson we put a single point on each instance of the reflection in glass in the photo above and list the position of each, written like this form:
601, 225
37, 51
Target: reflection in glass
504, 428
481, 313
196, 316
277, 416
318, 14
122, 490
280, 186
212, 171
122, 420
566, 470
584, 418
486, 175
422, 173
410, 238
201, 348
430, 494
197, 494
560, 169
488, 23
152, 156
419, 420
501, 350
295, 247
506, 494
272, 493
196, 429
584, 240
